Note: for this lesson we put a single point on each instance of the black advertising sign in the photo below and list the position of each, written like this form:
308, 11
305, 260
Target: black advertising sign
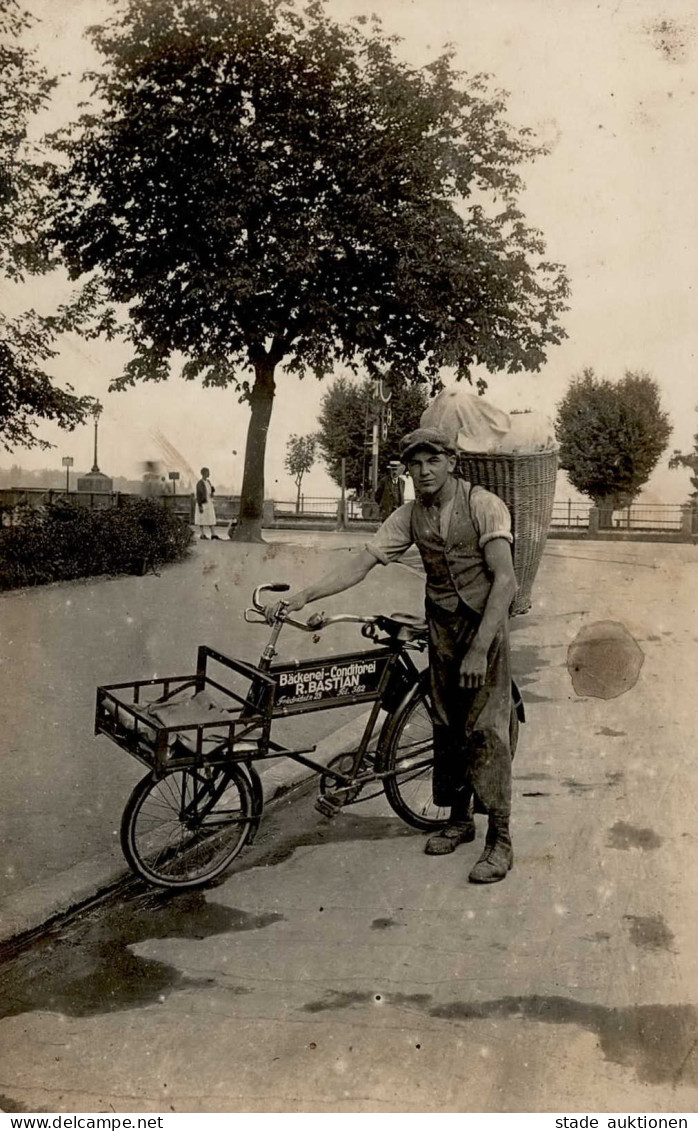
338, 679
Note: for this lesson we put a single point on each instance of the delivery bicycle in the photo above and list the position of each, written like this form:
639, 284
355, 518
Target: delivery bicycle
202, 737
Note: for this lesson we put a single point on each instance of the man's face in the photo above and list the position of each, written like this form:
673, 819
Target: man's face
430, 470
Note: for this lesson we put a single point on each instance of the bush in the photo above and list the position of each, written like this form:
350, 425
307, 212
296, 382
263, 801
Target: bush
65, 540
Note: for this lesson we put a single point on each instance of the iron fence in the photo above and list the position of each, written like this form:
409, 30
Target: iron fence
570, 515
672, 518
318, 506
567, 514
649, 517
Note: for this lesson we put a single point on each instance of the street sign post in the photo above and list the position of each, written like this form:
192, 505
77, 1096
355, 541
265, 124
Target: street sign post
174, 476
67, 462
382, 416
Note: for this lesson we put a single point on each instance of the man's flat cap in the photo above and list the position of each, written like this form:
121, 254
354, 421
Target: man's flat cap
429, 439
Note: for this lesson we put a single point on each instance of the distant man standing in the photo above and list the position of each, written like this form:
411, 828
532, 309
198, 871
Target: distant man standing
205, 513
463, 534
390, 492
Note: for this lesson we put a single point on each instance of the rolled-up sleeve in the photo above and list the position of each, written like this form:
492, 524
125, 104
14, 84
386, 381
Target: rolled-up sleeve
490, 515
394, 537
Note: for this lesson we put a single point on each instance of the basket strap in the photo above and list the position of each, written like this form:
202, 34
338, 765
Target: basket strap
470, 509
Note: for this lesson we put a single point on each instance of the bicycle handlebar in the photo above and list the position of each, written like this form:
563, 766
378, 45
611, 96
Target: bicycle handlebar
272, 587
320, 620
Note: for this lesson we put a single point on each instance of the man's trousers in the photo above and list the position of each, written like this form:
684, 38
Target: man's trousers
472, 750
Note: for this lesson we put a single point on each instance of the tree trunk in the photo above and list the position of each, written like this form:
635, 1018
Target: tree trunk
298, 497
605, 506
249, 525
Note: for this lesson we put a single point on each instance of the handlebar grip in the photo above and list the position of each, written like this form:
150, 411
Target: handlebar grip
273, 587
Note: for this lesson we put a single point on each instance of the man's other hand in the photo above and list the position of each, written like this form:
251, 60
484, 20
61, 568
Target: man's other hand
473, 669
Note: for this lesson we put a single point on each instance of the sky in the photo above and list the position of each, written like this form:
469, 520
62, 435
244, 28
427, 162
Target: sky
610, 86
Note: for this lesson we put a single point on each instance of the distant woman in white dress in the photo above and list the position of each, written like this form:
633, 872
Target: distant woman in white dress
204, 512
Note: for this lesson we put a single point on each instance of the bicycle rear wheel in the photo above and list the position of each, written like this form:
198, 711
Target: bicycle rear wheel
183, 829
407, 755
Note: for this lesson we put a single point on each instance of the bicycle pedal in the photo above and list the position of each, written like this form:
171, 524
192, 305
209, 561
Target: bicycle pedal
329, 804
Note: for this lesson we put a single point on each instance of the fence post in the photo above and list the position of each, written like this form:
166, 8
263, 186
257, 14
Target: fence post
342, 505
569, 512
688, 520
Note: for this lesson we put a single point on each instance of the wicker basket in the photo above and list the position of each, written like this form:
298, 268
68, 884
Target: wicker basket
526, 483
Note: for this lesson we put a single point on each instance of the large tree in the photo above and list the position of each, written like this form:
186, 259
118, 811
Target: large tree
347, 411
263, 187
611, 436
27, 340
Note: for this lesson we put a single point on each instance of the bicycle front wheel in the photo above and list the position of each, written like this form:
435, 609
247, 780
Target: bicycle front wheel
183, 829
407, 756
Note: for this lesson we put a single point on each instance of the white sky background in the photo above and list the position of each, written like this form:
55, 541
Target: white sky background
611, 87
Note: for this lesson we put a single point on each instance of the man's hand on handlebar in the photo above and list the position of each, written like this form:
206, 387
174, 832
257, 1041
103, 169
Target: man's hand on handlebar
292, 604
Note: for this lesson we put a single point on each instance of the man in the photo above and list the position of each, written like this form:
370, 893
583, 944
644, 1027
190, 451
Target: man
463, 534
390, 492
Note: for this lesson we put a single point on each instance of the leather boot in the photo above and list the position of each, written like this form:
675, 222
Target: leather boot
498, 855
459, 830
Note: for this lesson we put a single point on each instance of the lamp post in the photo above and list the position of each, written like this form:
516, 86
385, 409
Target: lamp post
96, 412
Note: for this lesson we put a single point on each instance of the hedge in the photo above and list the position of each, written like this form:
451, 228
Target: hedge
65, 540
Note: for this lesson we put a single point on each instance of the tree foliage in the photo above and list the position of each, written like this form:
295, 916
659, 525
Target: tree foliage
262, 186
300, 457
689, 460
611, 435
27, 393
345, 419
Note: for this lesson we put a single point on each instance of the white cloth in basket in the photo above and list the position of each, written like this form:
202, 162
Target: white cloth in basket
475, 425
184, 708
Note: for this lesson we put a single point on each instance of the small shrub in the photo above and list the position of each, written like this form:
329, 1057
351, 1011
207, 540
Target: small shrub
65, 540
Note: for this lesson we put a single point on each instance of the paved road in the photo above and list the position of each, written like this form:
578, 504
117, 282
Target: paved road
337, 968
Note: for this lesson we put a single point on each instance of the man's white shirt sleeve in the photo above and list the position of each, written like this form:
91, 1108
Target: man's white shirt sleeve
490, 516
394, 537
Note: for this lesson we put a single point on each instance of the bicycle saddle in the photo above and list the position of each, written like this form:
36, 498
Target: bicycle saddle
404, 626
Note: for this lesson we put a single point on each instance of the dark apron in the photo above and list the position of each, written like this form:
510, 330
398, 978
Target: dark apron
471, 725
